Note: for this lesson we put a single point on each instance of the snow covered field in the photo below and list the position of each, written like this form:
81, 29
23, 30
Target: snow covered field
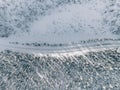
63, 25
59, 45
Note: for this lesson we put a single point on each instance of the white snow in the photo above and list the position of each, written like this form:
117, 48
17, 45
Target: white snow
65, 24
71, 23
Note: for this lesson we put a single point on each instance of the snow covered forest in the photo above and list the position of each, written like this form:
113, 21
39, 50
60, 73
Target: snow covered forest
59, 44
93, 71
16, 17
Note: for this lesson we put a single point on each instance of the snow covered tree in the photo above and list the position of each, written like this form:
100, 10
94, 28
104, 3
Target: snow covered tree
112, 16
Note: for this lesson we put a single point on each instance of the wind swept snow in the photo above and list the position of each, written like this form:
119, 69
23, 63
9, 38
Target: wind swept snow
67, 24
59, 45
63, 23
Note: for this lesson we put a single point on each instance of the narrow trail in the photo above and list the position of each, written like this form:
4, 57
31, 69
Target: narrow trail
61, 49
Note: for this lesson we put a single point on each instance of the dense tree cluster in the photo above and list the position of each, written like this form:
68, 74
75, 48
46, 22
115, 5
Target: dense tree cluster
112, 16
92, 71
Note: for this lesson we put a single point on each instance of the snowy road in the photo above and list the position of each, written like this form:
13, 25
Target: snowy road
76, 48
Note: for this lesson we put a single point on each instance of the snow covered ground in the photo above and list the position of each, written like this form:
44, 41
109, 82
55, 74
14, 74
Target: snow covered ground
91, 71
59, 45
66, 24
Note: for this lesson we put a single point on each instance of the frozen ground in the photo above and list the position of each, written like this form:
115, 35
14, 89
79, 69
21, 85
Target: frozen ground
91, 71
59, 45
56, 21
